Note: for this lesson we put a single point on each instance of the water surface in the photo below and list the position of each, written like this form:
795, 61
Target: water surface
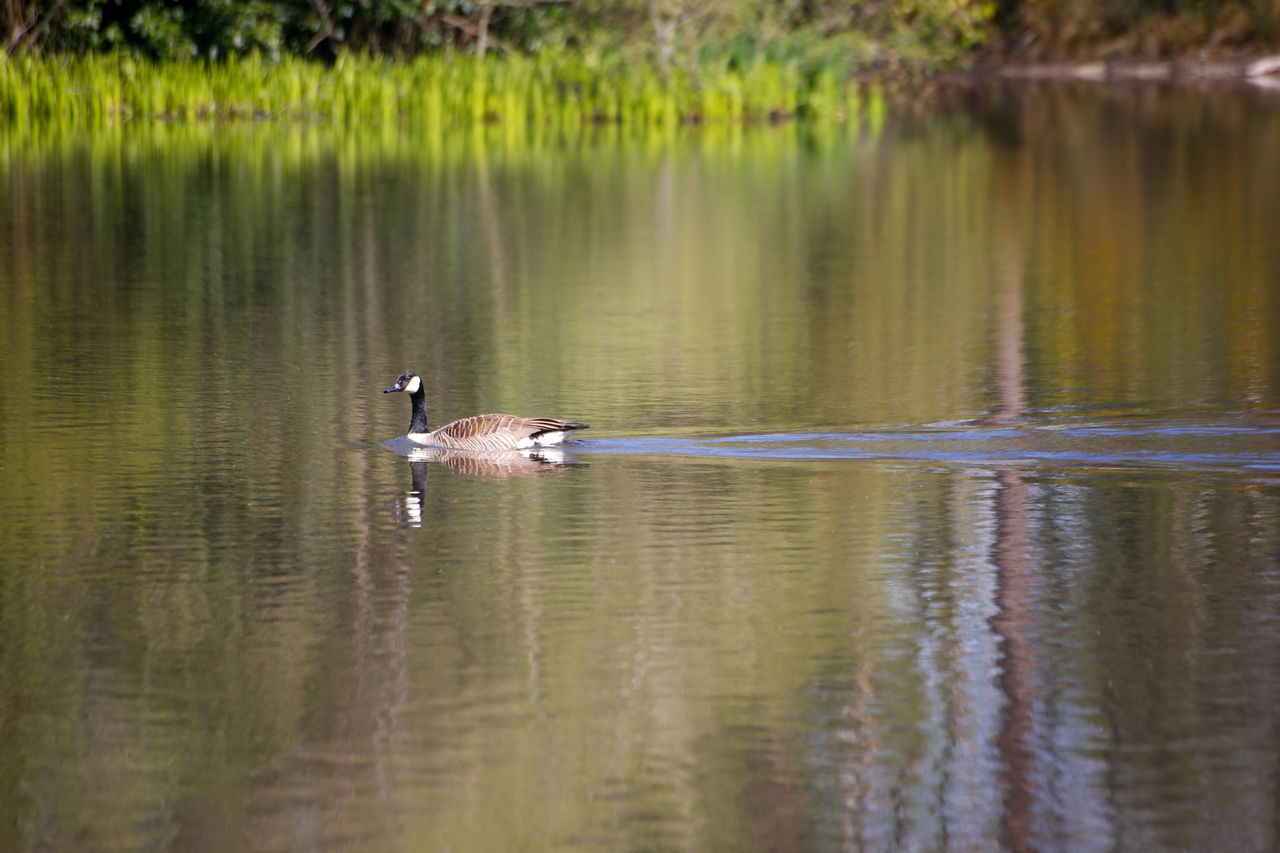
931, 499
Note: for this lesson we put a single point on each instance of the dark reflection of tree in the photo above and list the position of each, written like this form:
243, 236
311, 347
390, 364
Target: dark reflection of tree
764, 782
859, 718
1011, 361
379, 655
495, 240
1275, 786
1013, 574
1010, 368
1017, 664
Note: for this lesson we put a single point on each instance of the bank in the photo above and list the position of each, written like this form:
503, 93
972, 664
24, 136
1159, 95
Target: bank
1262, 70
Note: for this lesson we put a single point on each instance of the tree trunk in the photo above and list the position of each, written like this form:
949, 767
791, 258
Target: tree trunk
482, 36
664, 14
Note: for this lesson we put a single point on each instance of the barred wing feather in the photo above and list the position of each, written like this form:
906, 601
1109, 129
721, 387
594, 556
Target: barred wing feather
502, 432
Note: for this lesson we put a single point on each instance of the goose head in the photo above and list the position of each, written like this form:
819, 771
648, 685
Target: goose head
406, 382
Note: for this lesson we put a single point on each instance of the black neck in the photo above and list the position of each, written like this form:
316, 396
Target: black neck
419, 420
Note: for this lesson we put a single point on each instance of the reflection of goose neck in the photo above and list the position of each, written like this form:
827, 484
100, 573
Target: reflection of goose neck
418, 474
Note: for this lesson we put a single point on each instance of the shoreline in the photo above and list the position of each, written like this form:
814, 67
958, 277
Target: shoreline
1262, 71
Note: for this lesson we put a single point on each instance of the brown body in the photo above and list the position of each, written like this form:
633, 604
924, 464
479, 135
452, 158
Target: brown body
497, 432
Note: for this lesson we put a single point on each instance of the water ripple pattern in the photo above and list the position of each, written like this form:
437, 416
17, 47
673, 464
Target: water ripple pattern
1248, 443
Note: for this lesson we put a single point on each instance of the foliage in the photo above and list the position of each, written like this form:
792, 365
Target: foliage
1137, 27
201, 28
671, 32
211, 29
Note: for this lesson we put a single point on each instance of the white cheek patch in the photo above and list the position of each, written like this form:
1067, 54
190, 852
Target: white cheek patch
415, 384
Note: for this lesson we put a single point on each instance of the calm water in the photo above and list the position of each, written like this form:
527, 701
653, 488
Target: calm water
931, 499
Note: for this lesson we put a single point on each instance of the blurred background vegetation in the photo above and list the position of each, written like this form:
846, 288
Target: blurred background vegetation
668, 35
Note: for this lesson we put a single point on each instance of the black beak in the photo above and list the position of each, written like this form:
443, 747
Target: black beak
396, 387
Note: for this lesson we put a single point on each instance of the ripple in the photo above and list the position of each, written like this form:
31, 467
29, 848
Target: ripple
1244, 443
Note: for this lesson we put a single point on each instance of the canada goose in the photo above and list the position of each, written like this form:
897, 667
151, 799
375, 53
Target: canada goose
480, 432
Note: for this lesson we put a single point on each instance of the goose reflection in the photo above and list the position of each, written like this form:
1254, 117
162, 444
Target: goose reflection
498, 464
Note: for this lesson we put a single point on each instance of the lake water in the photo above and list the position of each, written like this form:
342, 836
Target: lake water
931, 498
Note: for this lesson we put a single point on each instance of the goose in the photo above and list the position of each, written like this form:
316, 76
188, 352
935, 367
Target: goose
479, 432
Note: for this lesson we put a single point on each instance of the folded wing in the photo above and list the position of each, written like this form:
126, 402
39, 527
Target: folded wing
503, 432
